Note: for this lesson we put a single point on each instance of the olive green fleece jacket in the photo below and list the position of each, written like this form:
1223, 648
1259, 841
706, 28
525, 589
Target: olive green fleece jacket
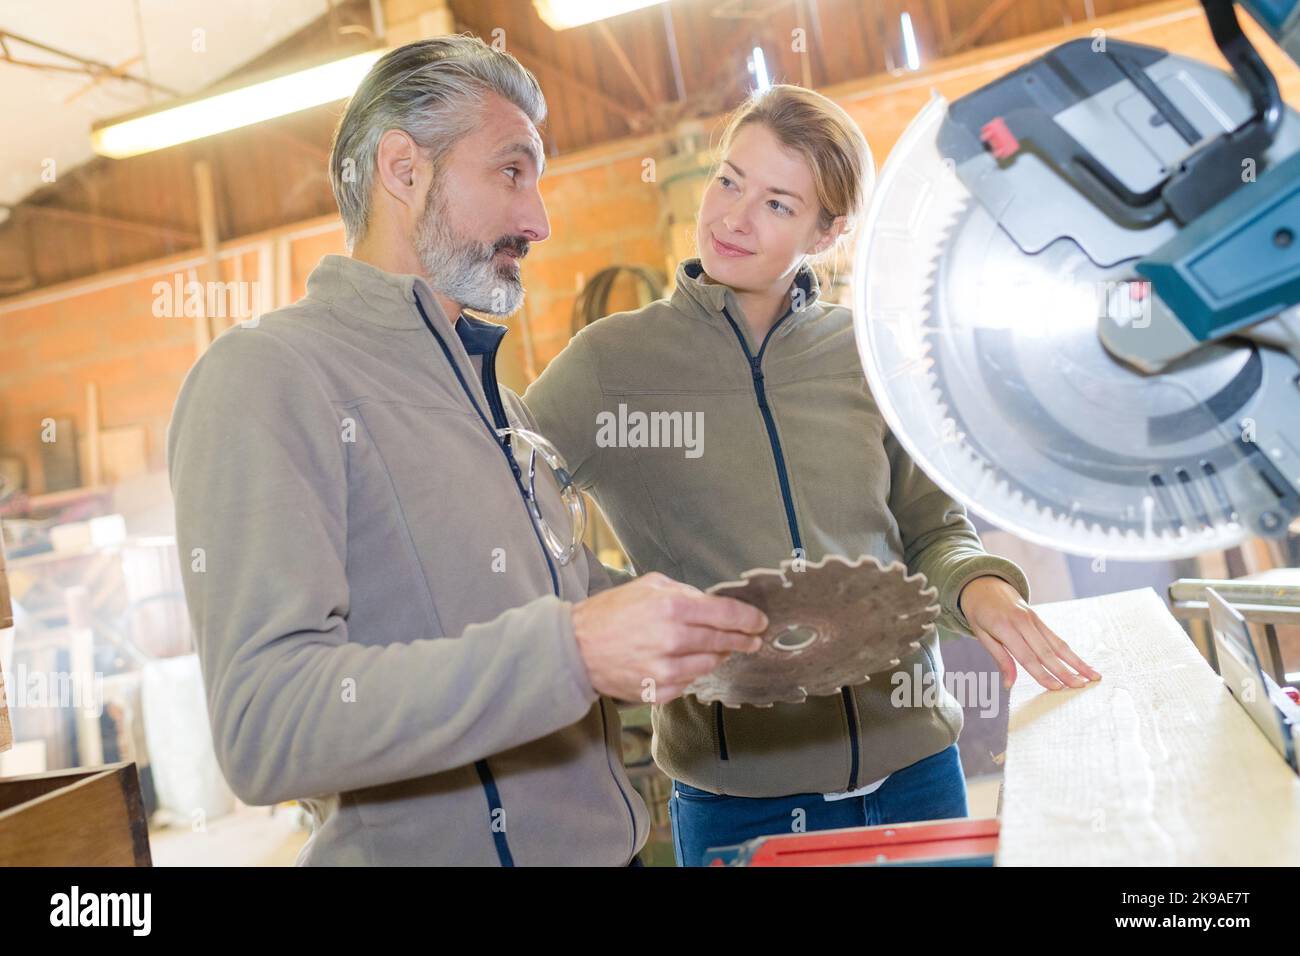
777, 447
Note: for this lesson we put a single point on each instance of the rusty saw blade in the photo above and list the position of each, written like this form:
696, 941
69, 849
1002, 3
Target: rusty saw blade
831, 624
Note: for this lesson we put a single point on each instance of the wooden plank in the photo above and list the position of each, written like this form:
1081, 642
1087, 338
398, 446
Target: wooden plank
6, 730
1154, 765
19, 790
6, 621
74, 818
6, 602
983, 22
206, 200
90, 452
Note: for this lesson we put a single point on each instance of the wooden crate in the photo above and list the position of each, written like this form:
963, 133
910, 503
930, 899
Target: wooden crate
90, 816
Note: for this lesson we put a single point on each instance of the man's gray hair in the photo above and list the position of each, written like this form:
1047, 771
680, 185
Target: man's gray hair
433, 90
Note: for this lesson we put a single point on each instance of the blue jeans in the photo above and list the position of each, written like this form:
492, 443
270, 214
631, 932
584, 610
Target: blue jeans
930, 789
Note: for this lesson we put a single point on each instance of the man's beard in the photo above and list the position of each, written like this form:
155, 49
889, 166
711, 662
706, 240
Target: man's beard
464, 270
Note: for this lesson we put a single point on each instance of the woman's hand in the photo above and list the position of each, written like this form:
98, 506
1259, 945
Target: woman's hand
1008, 628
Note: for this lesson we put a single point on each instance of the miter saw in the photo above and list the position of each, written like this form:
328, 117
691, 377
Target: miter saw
1077, 295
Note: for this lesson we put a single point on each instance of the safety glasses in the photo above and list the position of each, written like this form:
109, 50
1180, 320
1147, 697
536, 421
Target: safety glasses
562, 546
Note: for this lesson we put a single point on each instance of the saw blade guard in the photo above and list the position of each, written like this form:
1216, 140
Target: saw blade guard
985, 362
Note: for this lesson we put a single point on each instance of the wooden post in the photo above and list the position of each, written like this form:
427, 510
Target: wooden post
210, 271
95, 470
6, 621
6, 731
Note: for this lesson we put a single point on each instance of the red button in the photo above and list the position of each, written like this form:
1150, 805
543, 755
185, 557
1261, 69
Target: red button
997, 136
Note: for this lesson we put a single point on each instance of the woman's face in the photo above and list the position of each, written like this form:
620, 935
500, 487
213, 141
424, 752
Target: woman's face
758, 218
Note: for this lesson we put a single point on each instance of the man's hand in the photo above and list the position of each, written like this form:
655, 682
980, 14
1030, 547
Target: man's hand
660, 630
1008, 627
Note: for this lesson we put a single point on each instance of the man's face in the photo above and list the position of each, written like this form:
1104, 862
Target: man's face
483, 212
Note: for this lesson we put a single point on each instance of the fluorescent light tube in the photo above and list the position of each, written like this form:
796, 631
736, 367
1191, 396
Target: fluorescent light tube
245, 106
563, 14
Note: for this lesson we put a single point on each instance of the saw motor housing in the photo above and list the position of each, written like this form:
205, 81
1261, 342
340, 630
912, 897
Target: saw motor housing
1106, 354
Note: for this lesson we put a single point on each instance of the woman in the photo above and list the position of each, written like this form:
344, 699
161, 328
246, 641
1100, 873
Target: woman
788, 456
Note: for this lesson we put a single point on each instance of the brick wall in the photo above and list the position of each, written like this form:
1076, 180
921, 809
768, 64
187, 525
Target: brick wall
601, 210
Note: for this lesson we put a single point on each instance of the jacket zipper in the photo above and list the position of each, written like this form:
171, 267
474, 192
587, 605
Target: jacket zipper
493, 393
502, 442
722, 731
608, 762
499, 417
783, 478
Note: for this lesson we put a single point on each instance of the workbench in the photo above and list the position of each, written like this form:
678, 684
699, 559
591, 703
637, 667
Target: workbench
1154, 765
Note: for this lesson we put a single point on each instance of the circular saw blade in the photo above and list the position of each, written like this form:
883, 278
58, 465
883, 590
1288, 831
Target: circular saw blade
831, 624
985, 362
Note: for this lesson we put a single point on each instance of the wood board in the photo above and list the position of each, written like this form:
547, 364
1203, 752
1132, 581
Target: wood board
6, 621
87, 816
6, 729
1154, 765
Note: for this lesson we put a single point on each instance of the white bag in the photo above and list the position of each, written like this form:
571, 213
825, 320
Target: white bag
179, 737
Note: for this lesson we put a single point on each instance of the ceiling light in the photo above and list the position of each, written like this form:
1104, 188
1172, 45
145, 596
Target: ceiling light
758, 66
563, 14
219, 112
910, 51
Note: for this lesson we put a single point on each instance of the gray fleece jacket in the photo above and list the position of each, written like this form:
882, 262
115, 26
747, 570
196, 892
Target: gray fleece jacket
787, 454
382, 634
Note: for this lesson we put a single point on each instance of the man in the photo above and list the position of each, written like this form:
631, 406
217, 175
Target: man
394, 627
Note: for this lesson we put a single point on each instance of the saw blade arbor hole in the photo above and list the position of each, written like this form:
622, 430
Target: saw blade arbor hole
795, 638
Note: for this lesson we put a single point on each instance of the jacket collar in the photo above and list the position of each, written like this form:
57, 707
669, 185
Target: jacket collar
357, 290
697, 296
360, 292
479, 337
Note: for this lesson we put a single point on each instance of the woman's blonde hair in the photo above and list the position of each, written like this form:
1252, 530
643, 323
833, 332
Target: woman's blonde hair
843, 170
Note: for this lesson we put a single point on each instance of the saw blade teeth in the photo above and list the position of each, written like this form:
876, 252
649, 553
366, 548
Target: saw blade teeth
834, 594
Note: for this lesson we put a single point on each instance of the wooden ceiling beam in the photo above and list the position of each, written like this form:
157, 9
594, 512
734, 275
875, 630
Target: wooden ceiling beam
312, 150
620, 55
674, 55
535, 61
81, 217
981, 26
19, 227
943, 22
